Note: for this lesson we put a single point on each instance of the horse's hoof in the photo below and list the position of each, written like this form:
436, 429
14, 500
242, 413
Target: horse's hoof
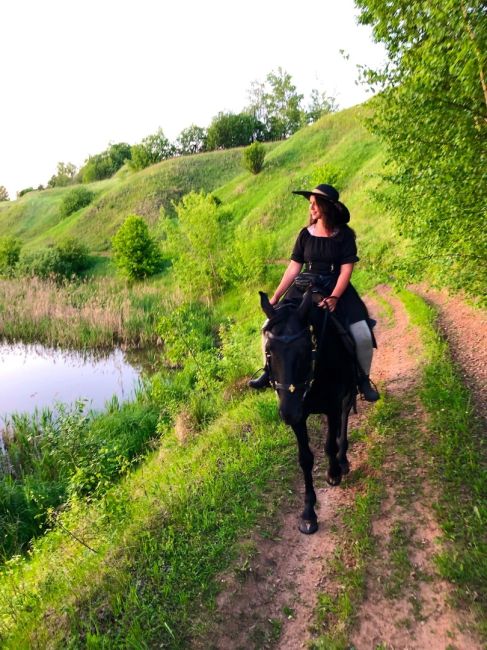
345, 467
308, 527
333, 480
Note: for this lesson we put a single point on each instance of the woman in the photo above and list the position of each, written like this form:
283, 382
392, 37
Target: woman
327, 247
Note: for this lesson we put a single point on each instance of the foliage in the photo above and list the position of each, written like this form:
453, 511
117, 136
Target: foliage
26, 190
3, 193
320, 104
65, 260
230, 130
196, 243
185, 330
53, 457
77, 198
136, 253
9, 254
106, 163
151, 150
277, 104
432, 114
254, 156
65, 175
191, 140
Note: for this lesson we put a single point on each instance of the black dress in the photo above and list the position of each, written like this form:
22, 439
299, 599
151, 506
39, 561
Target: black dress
325, 255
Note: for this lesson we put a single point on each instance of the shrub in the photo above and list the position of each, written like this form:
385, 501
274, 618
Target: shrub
136, 253
62, 261
196, 241
9, 253
254, 156
76, 199
24, 191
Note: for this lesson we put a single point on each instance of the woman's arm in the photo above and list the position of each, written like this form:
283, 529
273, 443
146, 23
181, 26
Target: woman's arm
287, 279
342, 283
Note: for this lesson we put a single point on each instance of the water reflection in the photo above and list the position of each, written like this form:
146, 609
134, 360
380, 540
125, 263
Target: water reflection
34, 377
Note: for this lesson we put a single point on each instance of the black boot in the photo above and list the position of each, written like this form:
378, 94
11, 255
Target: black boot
368, 392
262, 381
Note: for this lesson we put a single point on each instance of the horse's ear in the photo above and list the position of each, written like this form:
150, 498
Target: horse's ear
267, 308
304, 307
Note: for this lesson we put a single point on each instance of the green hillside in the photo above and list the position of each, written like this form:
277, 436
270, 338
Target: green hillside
337, 146
146, 515
36, 219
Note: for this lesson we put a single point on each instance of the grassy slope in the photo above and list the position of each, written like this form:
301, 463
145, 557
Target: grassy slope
128, 589
35, 217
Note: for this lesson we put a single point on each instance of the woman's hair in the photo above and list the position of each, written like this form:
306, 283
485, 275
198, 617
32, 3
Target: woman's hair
332, 215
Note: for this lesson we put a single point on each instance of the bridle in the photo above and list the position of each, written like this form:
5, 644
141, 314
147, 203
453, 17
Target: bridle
305, 385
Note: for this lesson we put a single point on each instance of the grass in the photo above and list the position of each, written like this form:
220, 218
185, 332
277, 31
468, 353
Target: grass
160, 538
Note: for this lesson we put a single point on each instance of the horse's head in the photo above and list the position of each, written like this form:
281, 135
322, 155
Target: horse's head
289, 352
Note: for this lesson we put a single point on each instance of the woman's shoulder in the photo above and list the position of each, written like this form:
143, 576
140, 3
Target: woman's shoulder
303, 233
347, 233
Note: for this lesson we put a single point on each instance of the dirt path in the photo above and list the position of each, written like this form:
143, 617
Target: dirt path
269, 599
466, 331
407, 604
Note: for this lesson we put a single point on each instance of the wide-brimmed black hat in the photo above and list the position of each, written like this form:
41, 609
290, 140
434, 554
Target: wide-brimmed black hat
329, 193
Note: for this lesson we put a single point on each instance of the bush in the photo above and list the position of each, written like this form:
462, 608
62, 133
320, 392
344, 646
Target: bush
62, 261
24, 191
254, 157
75, 200
136, 253
9, 254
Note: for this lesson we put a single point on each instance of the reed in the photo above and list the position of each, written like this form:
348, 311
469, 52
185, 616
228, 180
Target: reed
96, 313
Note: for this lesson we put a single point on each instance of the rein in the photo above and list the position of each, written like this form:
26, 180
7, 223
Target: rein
290, 338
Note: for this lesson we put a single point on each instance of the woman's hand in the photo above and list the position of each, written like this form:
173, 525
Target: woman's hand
330, 303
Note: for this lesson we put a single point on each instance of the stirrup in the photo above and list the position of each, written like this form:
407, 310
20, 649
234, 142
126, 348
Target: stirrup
260, 382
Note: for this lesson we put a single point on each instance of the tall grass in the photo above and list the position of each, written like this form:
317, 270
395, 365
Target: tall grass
94, 313
52, 457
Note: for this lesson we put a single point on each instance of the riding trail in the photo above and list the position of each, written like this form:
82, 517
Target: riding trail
273, 596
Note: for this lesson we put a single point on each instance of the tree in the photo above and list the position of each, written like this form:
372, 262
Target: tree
105, 164
65, 175
277, 104
3, 193
229, 130
432, 114
136, 253
283, 104
151, 150
191, 140
320, 104
254, 156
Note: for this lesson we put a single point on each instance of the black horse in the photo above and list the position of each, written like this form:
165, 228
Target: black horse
311, 372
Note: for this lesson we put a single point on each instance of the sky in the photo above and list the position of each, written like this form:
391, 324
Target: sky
77, 76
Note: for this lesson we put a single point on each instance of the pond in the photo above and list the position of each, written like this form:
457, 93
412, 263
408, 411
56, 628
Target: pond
35, 377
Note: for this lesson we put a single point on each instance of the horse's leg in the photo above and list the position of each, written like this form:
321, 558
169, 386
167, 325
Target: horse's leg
343, 439
333, 474
308, 523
